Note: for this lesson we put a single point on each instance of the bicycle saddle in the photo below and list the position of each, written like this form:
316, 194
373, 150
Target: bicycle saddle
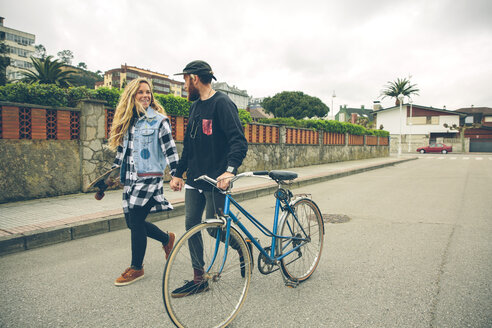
282, 175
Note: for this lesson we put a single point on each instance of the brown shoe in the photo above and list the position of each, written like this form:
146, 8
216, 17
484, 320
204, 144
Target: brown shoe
129, 276
169, 246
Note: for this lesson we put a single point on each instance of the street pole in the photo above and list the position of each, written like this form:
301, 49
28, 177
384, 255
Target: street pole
410, 123
401, 97
333, 109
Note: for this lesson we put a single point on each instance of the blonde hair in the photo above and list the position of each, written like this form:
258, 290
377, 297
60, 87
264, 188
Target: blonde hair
124, 111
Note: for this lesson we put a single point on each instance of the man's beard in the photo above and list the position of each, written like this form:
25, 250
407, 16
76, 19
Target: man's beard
193, 93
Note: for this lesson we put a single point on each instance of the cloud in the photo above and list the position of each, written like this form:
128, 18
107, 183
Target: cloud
353, 47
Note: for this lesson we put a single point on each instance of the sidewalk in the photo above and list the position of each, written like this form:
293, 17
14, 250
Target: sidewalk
29, 224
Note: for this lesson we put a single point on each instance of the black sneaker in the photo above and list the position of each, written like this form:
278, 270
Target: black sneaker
190, 288
241, 258
241, 263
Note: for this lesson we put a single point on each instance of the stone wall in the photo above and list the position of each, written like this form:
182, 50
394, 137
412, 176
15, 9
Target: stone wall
38, 168
44, 168
271, 157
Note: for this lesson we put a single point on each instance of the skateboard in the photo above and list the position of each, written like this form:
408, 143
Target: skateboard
104, 181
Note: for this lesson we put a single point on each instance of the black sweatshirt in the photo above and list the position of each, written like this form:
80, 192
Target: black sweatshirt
214, 140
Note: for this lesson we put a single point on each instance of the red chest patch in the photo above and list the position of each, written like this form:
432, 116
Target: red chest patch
207, 127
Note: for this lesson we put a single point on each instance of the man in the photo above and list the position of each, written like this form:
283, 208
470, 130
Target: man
214, 145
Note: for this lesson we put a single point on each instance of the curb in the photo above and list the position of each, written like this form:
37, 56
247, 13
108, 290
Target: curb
50, 236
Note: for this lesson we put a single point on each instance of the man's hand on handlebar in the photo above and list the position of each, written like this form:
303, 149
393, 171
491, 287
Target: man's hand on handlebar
224, 180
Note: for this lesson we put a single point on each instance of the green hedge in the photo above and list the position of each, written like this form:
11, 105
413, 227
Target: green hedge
174, 105
52, 95
326, 126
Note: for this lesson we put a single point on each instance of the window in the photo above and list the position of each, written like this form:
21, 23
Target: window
487, 119
423, 120
19, 39
20, 52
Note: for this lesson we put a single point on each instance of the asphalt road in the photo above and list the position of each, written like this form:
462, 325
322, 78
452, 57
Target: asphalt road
417, 252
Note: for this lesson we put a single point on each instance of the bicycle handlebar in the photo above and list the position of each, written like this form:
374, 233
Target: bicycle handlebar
236, 177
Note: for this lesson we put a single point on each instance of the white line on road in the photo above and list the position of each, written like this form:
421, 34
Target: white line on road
465, 158
479, 158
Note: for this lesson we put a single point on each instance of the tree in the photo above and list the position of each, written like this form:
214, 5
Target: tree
86, 78
244, 116
294, 104
65, 56
48, 71
82, 65
364, 121
4, 62
461, 130
40, 51
400, 86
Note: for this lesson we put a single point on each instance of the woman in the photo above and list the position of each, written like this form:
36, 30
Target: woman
142, 136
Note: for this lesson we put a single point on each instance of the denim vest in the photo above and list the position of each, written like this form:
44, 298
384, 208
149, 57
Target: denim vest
147, 153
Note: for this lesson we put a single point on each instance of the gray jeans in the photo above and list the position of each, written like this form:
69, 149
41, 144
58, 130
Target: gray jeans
195, 203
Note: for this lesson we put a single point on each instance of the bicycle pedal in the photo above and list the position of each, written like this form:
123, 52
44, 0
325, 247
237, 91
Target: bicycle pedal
291, 284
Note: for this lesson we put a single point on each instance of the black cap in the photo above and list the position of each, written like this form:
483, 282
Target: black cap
198, 67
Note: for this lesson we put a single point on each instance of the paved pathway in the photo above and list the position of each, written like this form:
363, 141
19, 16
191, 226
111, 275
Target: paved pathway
33, 218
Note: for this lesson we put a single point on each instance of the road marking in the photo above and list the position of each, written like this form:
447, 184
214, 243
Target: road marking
453, 158
465, 158
440, 157
479, 158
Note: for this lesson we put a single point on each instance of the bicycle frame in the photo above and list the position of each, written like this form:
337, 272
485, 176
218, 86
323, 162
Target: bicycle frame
230, 217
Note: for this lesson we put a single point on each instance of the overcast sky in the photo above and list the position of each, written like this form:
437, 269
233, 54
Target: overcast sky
352, 47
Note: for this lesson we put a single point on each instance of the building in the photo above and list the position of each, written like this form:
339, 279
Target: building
21, 48
257, 111
119, 77
479, 131
345, 114
420, 125
239, 97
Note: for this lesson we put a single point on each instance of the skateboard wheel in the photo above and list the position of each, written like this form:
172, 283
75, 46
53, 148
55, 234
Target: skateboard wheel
99, 195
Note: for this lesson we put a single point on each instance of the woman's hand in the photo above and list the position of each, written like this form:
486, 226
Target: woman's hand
176, 184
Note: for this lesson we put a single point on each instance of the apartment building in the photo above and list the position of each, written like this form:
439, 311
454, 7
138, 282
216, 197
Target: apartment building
119, 77
21, 48
239, 97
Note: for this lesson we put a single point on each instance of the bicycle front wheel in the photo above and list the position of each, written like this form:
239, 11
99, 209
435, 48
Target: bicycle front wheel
223, 292
307, 227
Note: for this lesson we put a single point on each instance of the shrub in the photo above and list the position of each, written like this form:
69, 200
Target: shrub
15, 92
47, 94
326, 126
110, 95
244, 117
75, 94
174, 105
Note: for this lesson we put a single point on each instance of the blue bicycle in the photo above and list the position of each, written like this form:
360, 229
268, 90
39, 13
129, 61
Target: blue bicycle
225, 255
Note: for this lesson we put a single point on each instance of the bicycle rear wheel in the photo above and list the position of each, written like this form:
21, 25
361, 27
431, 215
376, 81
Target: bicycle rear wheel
300, 264
219, 305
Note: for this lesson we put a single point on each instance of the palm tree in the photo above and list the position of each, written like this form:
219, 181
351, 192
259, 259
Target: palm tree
400, 86
48, 71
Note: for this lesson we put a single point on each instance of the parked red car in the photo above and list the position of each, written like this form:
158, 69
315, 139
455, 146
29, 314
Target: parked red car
435, 148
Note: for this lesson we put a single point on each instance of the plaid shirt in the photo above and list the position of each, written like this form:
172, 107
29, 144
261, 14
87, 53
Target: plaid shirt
137, 191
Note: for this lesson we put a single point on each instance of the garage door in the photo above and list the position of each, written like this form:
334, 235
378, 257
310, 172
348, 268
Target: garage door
481, 145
